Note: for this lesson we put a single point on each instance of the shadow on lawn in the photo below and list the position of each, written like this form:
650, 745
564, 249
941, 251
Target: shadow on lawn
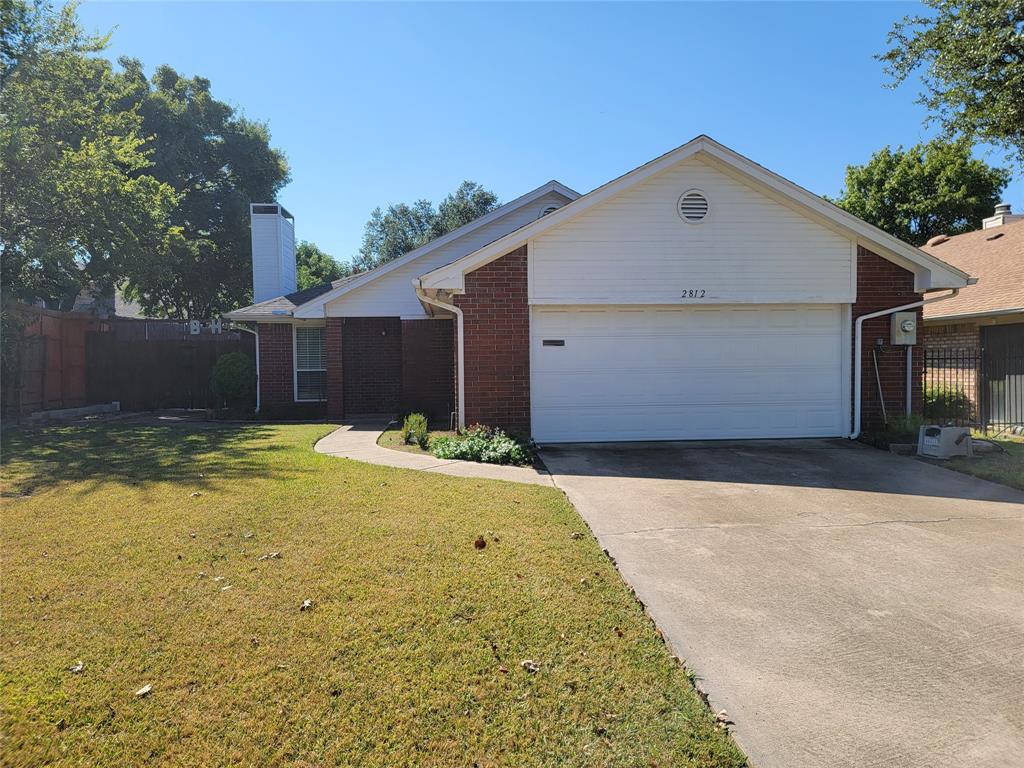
135, 455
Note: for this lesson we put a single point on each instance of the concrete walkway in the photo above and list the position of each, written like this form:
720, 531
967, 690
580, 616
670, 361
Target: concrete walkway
847, 607
358, 441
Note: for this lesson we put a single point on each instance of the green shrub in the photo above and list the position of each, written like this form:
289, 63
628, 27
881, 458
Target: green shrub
483, 444
900, 429
414, 430
233, 381
943, 404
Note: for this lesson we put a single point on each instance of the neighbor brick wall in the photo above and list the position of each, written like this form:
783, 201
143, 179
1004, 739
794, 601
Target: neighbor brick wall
371, 361
277, 376
882, 285
496, 322
959, 336
428, 369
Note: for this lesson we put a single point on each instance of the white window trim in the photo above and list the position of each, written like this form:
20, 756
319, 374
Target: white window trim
295, 364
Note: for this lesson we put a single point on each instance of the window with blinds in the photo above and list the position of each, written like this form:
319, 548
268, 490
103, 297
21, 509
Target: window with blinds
310, 364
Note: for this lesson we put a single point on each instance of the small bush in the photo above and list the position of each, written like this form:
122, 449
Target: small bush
233, 381
900, 429
944, 404
414, 430
483, 444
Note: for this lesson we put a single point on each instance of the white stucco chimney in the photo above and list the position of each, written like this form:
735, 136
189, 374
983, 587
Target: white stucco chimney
273, 251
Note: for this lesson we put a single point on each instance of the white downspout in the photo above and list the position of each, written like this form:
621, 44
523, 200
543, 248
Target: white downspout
255, 333
857, 352
460, 350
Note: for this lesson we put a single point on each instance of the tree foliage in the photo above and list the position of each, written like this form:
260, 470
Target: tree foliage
972, 55
76, 202
107, 177
218, 162
403, 228
927, 190
315, 267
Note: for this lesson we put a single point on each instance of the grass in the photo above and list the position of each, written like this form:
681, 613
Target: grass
411, 655
1006, 466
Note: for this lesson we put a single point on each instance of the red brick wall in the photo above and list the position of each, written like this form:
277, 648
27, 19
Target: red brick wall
496, 322
961, 336
428, 369
882, 285
371, 361
335, 381
277, 376
277, 383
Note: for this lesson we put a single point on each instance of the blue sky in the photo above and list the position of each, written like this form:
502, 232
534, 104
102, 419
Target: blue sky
392, 102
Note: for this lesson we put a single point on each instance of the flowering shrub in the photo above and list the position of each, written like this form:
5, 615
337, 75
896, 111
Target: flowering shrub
484, 444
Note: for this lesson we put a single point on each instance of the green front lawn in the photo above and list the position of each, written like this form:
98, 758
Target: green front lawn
138, 551
1005, 466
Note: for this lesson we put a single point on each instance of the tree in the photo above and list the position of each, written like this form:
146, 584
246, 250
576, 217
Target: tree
315, 267
77, 201
927, 190
218, 162
972, 52
403, 228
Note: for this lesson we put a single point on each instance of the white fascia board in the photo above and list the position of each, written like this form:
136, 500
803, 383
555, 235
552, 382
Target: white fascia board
930, 273
315, 307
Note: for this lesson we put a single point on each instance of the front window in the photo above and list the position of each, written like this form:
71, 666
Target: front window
310, 364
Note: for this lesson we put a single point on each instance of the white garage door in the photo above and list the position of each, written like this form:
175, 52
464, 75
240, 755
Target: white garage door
677, 373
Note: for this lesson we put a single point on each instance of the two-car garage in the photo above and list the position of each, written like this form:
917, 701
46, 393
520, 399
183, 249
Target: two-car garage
696, 372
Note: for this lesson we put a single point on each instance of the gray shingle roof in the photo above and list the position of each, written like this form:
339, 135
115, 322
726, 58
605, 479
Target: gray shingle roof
283, 305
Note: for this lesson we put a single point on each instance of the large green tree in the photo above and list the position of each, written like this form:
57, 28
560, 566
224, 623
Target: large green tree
316, 267
971, 57
403, 228
78, 203
218, 162
927, 190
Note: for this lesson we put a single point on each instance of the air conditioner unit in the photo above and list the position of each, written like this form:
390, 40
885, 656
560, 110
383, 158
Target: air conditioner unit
944, 442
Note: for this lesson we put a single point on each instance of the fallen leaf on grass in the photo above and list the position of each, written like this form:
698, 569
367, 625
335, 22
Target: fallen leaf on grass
307, 605
480, 542
77, 668
144, 690
196, 493
530, 666
575, 535
271, 556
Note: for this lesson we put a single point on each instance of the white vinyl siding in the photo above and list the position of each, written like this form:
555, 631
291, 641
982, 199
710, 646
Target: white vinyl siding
635, 249
310, 364
678, 373
393, 294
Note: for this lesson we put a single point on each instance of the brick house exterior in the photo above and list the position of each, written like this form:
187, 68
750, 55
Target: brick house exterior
714, 303
880, 285
496, 321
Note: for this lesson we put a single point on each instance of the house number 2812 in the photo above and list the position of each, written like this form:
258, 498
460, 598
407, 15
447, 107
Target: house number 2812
693, 293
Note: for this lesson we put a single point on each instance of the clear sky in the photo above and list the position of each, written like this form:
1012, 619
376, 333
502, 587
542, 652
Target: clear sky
391, 102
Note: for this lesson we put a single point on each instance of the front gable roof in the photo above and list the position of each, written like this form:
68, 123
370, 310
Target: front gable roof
930, 273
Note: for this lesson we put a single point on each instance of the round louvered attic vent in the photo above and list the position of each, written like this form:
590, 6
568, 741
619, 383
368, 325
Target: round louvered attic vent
693, 206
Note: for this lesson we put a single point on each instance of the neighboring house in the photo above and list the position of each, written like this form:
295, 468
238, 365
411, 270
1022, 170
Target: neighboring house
994, 308
975, 342
697, 296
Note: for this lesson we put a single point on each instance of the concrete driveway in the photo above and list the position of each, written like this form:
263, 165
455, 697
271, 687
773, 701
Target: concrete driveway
846, 607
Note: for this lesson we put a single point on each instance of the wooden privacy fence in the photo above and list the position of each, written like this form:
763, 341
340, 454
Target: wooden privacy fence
157, 372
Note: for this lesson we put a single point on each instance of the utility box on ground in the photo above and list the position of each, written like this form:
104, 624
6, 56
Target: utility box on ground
944, 442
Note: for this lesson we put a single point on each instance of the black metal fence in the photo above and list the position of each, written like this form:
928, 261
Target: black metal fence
982, 388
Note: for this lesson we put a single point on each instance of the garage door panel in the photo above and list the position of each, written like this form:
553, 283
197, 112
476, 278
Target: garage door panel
686, 373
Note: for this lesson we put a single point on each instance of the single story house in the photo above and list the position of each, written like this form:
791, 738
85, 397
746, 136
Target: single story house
991, 314
699, 296
974, 343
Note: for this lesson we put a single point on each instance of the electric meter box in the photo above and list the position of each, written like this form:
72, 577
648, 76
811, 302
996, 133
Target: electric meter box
944, 442
904, 328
